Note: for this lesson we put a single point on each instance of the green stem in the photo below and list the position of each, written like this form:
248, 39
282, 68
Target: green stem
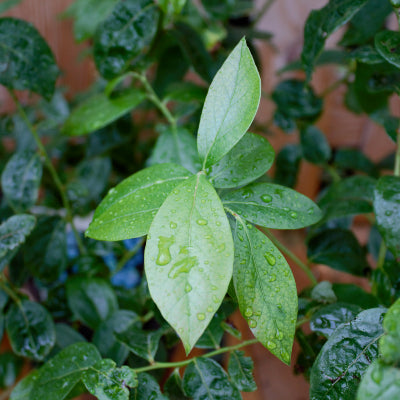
152, 96
333, 173
52, 171
263, 10
8, 290
292, 256
381, 255
128, 255
178, 364
302, 321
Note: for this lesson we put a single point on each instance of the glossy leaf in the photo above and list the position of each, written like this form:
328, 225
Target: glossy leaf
143, 343
45, 251
122, 37
65, 336
240, 369
173, 387
345, 356
176, 146
148, 388
387, 211
388, 45
323, 293
92, 300
107, 382
354, 159
13, 233
20, 180
230, 105
325, 320
322, 23
128, 209
390, 343
314, 145
339, 249
380, 382
265, 289
272, 206
24, 387
30, 329
189, 258
352, 294
287, 165
249, 159
205, 379
104, 338
88, 15
100, 110
10, 368
26, 59
58, 377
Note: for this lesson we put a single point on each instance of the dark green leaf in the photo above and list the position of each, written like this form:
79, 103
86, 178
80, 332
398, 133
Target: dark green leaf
295, 100
224, 9
353, 159
345, 356
339, 249
231, 104
265, 289
380, 382
26, 59
88, 14
240, 369
323, 293
205, 379
20, 180
390, 343
65, 336
272, 206
10, 367
124, 35
314, 145
194, 50
45, 251
24, 388
287, 165
148, 388
92, 300
366, 54
387, 211
366, 23
172, 6
328, 318
30, 329
189, 258
352, 294
7, 4
176, 146
322, 23
104, 337
143, 343
250, 158
128, 209
100, 110
60, 375
107, 382
12, 234
173, 387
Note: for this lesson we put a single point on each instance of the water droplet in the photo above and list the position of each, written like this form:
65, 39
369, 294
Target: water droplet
213, 287
270, 258
377, 374
388, 213
209, 309
272, 278
218, 223
248, 312
215, 299
188, 288
271, 345
201, 316
164, 256
176, 191
285, 356
310, 211
221, 248
277, 289
252, 323
184, 265
240, 237
201, 221
266, 198
172, 225
293, 214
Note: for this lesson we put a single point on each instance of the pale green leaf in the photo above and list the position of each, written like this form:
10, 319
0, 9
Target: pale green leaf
272, 206
189, 258
265, 289
250, 158
230, 105
101, 110
128, 209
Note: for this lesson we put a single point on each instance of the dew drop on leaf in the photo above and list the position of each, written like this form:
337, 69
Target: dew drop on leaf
248, 312
201, 221
164, 255
201, 316
270, 258
188, 288
252, 323
266, 198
